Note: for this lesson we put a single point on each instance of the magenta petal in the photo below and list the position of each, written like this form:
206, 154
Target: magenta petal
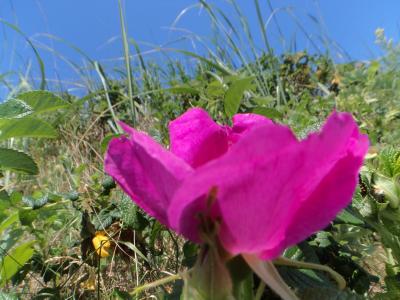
146, 171
244, 122
332, 186
240, 180
269, 183
196, 138
332, 194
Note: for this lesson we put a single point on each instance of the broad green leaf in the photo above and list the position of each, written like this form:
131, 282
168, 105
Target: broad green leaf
42, 101
270, 113
14, 260
16, 161
26, 127
263, 101
234, 95
8, 222
14, 108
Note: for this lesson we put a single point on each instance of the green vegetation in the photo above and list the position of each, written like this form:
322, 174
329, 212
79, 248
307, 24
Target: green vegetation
55, 198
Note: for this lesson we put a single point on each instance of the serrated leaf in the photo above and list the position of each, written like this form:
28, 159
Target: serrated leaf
347, 216
35, 202
7, 296
14, 260
234, 95
26, 127
42, 101
14, 108
16, 161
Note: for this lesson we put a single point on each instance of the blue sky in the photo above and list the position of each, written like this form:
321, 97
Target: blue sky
93, 26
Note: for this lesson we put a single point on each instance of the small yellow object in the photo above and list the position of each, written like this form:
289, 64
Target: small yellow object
101, 243
90, 283
336, 79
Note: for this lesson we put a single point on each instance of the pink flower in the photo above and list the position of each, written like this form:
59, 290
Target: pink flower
273, 190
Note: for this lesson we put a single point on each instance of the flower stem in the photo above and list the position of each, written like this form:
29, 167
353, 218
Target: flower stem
283, 261
267, 272
260, 291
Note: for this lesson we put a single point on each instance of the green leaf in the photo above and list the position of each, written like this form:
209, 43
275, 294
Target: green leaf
8, 222
4, 195
26, 127
347, 216
16, 161
391, 190
35, 202
270, 113
7, 296
14, 260
263, 101
26, 217
215, 89
43, 101
234, 95
14, 108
